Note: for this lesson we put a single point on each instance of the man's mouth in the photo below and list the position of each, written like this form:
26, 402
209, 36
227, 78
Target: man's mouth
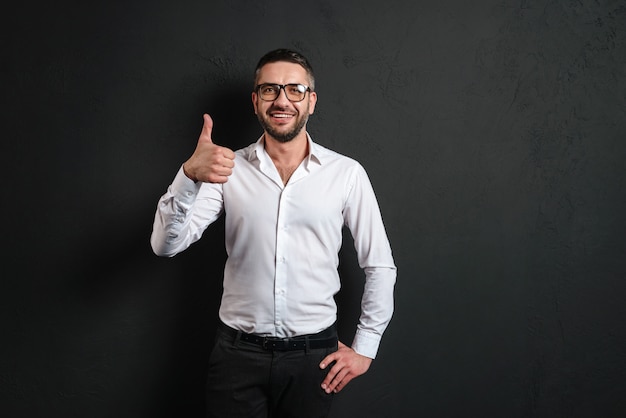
282, 116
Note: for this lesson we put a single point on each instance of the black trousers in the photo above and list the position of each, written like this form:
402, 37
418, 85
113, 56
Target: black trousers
246, 380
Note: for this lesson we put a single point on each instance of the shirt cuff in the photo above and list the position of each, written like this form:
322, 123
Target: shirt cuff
366, 344
184, 187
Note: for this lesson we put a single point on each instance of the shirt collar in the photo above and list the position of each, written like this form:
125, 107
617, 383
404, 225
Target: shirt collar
314, 155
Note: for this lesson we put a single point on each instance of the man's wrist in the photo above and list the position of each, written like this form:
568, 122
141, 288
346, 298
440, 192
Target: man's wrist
189, 176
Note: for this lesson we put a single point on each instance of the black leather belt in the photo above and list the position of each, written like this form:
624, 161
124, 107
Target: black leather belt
323, 339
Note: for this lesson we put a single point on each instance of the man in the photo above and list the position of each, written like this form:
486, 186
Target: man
286, 200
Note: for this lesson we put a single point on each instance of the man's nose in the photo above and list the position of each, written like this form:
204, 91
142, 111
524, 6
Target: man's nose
282, 96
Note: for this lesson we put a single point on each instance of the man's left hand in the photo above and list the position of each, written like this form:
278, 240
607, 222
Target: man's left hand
348, 365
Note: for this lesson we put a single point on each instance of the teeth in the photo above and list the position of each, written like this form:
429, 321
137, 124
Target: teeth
281, 115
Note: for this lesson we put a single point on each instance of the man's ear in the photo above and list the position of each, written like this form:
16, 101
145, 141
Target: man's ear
312, 102
254, 101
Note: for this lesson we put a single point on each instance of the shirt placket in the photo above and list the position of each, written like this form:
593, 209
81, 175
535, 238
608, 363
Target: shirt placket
282, 264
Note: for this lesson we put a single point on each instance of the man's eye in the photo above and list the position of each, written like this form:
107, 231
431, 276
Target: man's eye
268, 89
296, 89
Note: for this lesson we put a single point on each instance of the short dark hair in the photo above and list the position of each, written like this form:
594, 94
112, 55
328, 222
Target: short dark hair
286, 55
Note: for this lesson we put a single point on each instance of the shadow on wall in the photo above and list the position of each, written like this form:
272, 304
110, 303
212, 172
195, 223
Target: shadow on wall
127, 316
349, 297
234, 123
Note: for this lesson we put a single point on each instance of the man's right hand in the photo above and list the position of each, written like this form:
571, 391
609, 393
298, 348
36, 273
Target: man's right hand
209, 163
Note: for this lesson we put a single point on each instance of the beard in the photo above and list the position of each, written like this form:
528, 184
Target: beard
283, 136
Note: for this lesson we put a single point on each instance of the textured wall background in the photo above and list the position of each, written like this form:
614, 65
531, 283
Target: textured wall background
493, 131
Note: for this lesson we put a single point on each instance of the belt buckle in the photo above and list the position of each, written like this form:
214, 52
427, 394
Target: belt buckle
264, 343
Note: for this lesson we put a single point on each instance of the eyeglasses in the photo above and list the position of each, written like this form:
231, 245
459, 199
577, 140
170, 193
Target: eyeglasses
270, 92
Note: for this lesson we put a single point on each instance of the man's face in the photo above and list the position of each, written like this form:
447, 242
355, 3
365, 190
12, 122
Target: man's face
282, 119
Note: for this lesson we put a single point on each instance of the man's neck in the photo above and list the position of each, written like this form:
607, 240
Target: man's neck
287, 153
287, 156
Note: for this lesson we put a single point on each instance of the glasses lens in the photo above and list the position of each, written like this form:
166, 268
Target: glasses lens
269, 91
294, 92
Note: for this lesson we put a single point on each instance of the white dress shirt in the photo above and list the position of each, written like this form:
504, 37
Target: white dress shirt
283, 241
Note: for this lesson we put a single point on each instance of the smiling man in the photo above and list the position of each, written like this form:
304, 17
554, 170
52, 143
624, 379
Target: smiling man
285, 200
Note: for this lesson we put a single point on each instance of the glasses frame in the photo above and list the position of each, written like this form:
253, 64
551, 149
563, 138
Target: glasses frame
282, 87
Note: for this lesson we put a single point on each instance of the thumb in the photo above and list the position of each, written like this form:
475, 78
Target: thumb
207, 128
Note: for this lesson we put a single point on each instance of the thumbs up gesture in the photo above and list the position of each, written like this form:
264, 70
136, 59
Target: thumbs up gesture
210, 163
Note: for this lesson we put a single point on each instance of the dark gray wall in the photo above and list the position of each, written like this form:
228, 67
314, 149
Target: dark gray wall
493, 131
